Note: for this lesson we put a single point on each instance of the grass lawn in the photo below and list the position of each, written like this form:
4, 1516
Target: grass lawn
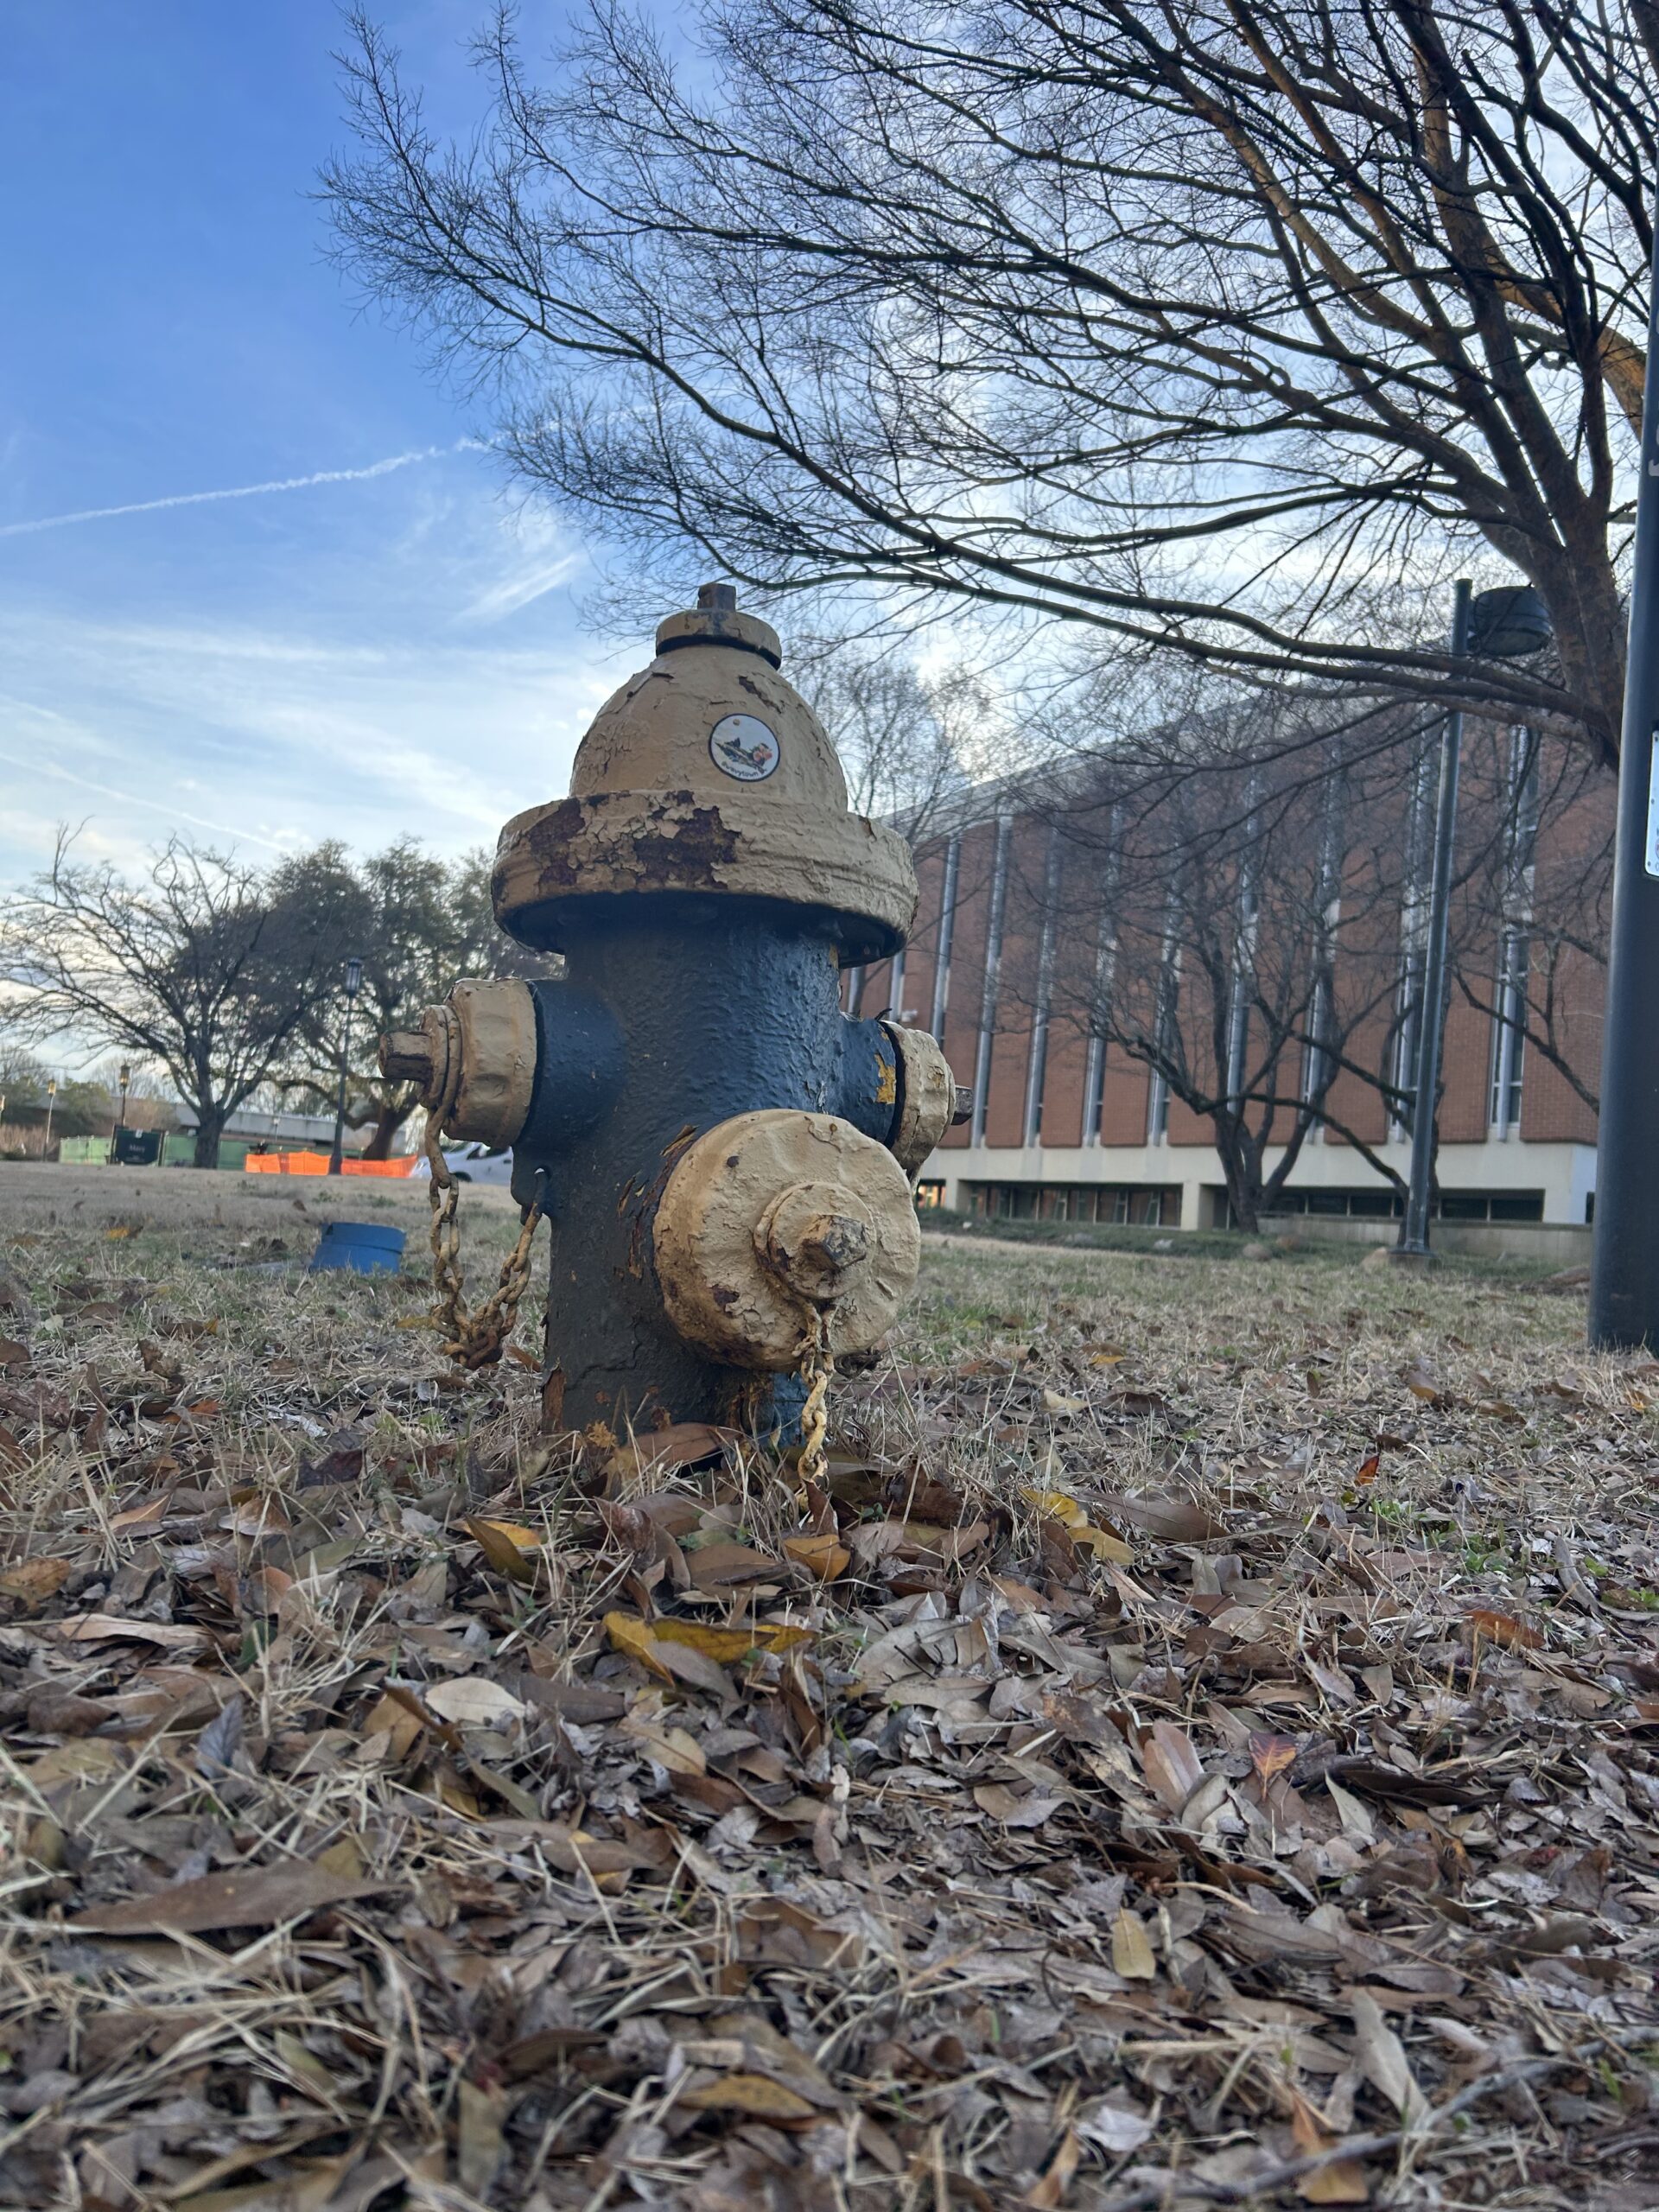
1193, 1750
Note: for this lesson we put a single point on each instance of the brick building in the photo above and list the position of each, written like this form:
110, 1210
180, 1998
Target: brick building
1068, 1121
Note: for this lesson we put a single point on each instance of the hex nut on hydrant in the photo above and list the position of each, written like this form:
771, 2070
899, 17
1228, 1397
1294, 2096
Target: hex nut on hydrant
723, 1153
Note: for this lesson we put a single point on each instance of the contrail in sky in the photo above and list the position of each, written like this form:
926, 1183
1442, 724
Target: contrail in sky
243, 491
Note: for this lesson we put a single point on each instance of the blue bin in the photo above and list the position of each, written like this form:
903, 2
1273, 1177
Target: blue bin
362, 1246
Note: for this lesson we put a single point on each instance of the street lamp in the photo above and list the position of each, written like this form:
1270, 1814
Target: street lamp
354, 980
1503, 624
125, 1078
1624, 1263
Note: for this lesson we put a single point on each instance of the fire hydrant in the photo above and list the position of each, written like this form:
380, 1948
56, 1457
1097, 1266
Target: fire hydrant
724, 1155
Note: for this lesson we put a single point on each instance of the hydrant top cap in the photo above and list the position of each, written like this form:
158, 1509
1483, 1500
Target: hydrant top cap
706, 773
714, 620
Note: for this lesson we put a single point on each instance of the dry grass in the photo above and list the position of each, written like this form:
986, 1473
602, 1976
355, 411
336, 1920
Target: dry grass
1214, 1769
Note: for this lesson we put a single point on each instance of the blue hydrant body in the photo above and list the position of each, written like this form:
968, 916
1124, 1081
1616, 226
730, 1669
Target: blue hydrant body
723, 1154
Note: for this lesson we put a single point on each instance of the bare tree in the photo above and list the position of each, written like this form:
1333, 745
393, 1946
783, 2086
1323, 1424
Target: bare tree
908, 743
1236, 933
1220, 328
412, 919
203, 966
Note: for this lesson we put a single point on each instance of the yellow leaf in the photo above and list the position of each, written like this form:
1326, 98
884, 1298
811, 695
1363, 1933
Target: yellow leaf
1056, 1401
1342, 2182
822, 1555
725, 1644
83, 1759
34, 1580
498, 1541
1131, 1951
1059, 1506
1103, 1543
344, 1858
757, 2094
632, 1638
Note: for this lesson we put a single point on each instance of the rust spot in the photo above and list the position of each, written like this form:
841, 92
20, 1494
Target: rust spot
553, 1402
684, 849
886, 1085
552, 837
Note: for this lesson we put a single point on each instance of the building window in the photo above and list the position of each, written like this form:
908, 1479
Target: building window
1158, 1109
1514, 959
988, 1004
1510, 1035
1169, 997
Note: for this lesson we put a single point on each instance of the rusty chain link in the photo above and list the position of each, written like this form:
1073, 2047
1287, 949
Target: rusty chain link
817, 1364
472, 1339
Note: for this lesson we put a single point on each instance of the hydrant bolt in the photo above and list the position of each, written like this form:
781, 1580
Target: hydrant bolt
816, 1236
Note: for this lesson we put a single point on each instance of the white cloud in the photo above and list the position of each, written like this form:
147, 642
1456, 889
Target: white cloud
238, 491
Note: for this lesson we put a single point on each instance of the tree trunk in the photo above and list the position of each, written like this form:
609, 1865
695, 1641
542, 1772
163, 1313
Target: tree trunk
389, 1118
209, 1130
1240, 1169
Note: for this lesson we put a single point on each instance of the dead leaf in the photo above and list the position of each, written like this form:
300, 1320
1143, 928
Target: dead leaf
1382, 2057
473, 1702
1172, 1766
821, 1556
1503, 1629
498, 1541
1132, 1948
253, 1896
31, 1581
755, 2094
109, 1628
1340, 2182
1050, 2188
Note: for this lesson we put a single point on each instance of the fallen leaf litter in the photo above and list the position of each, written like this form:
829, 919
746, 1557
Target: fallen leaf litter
1194, 1747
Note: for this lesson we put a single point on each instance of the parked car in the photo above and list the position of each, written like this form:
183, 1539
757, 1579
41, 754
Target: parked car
472, 1163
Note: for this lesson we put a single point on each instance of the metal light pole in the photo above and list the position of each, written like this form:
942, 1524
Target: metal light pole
1624, 1266
123, 1078
1431, 1013
51, 1101
353, 978
1503, 624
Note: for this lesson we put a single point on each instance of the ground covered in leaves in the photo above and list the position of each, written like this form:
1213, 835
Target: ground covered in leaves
1196, 1748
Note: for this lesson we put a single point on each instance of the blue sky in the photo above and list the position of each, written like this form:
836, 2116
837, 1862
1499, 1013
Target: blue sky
388, 651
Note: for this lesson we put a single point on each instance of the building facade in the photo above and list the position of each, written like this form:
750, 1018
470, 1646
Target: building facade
1017, 964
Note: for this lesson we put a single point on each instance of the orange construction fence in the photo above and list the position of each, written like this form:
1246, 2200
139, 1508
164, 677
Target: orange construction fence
317, 1163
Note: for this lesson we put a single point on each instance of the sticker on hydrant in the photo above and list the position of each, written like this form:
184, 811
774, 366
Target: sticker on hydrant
742, 746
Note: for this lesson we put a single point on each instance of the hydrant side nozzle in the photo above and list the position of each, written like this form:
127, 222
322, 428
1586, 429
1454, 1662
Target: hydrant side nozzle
775, 1212
928, 1095
474, 1057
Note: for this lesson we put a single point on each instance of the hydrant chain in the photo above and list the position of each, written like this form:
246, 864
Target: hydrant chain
472, 1340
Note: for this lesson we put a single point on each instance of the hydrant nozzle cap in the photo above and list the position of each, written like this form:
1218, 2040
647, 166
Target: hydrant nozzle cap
714, 620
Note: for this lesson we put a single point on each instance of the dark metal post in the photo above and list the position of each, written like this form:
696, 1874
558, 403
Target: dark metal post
1624, 1269
121, 1112
353, 977
1431, 1019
